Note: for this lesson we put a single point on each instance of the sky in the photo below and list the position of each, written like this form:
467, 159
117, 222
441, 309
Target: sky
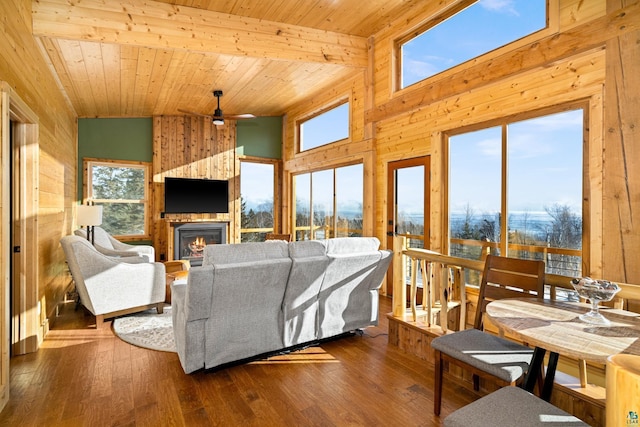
544, 165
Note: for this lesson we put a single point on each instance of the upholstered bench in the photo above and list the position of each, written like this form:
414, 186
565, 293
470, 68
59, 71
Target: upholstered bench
511, 406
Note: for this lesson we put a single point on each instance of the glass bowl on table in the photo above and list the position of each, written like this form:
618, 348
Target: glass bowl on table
595, 291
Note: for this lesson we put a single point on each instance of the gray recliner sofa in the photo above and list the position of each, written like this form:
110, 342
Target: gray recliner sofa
252, 299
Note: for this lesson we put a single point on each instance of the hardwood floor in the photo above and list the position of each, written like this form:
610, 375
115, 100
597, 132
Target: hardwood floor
87, 377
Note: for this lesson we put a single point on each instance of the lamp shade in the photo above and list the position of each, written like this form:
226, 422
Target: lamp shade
89, 215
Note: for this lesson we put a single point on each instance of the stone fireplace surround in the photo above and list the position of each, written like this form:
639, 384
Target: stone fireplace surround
191, 238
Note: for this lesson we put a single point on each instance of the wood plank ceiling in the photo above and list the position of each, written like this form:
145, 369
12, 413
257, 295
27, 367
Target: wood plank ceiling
139, 58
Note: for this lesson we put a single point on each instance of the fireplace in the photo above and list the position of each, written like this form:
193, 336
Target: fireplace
190, 239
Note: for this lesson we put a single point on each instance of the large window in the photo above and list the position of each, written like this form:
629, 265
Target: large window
257, 193
122, 189
325, 128
328, 203
478, 29
516, 189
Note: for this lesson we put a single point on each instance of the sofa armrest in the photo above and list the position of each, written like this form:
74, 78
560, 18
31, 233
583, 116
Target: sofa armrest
198, 293
115, 253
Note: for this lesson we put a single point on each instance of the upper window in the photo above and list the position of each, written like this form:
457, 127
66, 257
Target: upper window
478, 29
516, 190
122, 190
325, 128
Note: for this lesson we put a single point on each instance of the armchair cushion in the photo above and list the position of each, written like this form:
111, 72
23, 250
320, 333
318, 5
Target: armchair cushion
108, 245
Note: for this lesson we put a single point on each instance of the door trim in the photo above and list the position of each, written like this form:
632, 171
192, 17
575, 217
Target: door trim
23, 292
392, 167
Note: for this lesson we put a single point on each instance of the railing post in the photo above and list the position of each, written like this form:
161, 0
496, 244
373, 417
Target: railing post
399, 299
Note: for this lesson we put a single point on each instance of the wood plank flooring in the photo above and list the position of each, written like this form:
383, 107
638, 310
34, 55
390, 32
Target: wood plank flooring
87, 377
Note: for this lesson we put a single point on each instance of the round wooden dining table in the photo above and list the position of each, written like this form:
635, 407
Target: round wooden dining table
554, 326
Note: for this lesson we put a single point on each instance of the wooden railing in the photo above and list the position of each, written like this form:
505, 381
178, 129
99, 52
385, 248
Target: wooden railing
442, 278
443, 284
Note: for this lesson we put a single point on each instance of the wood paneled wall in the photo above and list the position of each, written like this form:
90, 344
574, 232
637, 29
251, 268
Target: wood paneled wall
192, 147
621, 161
358, 148
22, 66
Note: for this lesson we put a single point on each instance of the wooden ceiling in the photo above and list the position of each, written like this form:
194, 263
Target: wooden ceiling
139, 58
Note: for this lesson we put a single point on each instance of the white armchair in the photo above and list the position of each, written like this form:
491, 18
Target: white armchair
108, 245
109, 286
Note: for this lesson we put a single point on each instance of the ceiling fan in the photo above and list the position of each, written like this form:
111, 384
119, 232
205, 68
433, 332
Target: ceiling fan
218, 117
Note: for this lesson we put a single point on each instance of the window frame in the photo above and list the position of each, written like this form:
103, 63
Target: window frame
552, 26
147, 202
326, 108
504, 244
334, 223
277, 189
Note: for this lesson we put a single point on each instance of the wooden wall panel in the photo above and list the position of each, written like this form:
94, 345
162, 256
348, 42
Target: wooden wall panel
621, 199
57, 138
420, 132
192, 147
414, 124
356, 149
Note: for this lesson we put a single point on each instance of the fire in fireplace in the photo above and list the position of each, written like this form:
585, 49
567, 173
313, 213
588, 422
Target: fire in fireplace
191, 238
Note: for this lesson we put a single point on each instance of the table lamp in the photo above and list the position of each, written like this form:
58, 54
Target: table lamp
89, 216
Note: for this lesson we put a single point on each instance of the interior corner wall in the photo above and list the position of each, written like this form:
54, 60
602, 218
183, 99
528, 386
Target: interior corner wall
114, 139
260, 137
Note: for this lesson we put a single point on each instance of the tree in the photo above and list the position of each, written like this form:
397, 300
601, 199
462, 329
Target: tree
565, 231
566, 227
118, 184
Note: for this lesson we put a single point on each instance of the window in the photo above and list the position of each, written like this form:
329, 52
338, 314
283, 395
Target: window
328, 203
325, 128
122, 189
516, 189
487, 24
257, 200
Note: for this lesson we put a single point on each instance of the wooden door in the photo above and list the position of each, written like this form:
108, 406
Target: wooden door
408, 204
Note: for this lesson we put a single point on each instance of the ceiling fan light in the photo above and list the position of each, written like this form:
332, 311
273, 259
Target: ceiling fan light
218, 120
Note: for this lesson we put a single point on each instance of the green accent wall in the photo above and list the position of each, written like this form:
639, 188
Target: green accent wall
132, 139
114, 139
260, 137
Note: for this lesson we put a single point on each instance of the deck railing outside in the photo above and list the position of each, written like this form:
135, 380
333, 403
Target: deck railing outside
558, 261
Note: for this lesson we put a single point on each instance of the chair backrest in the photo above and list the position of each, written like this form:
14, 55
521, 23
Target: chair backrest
102, 238
274, 236
508, 278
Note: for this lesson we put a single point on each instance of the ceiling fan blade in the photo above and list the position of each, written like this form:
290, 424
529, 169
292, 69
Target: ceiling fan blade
193, 113
239, 116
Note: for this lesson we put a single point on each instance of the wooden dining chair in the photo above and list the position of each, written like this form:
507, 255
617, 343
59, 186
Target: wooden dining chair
274, 236
511, 406
485, 355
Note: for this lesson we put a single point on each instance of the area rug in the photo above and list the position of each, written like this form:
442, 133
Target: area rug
147, 329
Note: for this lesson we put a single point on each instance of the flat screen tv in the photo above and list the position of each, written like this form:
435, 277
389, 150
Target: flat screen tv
190, 195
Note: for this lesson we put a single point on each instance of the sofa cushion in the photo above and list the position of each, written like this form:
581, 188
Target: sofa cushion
350, 245
300, 304
245, 252
307, 248
245, 317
